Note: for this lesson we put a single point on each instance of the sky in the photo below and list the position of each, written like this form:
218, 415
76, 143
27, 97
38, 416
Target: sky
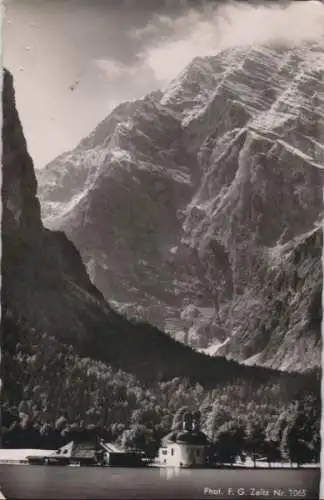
74, 60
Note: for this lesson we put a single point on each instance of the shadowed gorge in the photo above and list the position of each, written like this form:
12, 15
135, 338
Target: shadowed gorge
45, 285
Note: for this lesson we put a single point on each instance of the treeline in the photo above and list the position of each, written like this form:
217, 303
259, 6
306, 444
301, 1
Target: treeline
51, 396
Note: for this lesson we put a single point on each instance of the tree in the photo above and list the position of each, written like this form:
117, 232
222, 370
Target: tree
178, 417
147, 417
296, 444
316, 446
215, 419
229, 442
272, 451
139, 437
255, 440
60, 423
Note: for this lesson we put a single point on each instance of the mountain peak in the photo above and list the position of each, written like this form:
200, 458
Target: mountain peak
187, 191
46, 287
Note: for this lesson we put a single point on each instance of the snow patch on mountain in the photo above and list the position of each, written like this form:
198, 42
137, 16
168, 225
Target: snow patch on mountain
214, 348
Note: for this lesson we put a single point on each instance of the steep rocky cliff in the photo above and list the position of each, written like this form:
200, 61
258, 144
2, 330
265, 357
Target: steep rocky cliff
178, 203
136, 174
45, 286
285, 311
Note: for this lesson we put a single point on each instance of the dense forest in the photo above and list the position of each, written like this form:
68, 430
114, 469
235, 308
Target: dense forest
52, 395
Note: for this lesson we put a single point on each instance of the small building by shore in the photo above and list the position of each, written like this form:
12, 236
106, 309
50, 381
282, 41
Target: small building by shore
186, 447
90, 452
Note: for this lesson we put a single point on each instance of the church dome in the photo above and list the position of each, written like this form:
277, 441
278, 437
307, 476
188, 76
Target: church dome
191, 438
185, 437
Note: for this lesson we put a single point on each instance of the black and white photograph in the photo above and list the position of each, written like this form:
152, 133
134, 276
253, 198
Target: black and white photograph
161, 256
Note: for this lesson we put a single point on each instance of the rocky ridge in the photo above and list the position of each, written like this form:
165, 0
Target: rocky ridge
178, 202
47, 292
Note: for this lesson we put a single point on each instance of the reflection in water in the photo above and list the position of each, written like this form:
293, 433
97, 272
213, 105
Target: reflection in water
171, 472
37, 483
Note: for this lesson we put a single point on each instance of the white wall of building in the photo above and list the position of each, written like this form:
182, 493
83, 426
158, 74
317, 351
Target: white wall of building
182, 455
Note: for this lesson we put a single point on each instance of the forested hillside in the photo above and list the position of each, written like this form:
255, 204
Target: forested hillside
52, 395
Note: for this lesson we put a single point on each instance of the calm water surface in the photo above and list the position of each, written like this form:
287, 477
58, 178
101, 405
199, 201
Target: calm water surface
36, 482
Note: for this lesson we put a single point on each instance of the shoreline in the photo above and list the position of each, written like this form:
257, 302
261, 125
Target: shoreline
19, 457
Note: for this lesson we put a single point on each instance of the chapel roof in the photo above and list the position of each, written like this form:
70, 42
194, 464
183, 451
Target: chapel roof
185, 437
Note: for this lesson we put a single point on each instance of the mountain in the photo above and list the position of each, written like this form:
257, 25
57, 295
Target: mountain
178, 203
45, 288
288, 312
141, 204
73, 367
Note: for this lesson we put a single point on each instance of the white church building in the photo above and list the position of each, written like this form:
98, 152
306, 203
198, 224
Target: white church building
187, 447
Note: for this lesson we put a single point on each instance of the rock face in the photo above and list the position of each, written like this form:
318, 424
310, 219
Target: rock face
37, 263
286, 311
136, 174
45, 285
178, 203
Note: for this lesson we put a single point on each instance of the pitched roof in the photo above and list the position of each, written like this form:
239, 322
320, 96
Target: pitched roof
76, 449
185, 437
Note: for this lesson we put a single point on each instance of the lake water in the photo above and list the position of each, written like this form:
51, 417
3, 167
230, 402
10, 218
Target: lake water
35, 482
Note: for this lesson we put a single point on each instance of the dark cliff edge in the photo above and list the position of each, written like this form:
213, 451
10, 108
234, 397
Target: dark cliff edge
45, 284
